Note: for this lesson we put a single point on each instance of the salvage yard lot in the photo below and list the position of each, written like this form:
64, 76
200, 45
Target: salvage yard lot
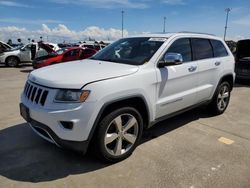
190, 150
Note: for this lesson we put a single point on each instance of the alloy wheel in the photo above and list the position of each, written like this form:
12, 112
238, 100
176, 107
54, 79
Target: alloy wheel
12, 61
121, 134
223, 98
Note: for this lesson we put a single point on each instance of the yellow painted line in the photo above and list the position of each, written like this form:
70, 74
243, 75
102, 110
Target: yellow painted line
225, 140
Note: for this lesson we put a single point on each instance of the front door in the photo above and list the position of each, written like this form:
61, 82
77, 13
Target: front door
25, 53
177, 83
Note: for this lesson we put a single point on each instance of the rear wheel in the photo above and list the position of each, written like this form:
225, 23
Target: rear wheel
118, 134
221, 99
12, 61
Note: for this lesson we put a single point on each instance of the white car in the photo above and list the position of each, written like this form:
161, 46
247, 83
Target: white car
22, 54
104, 103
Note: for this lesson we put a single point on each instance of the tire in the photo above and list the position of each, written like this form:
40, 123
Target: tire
114, 141
12, 61
221, 99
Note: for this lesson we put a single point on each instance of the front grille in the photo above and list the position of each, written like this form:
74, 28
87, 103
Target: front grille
35, 94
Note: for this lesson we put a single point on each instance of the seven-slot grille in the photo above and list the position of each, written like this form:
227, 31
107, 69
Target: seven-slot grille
35, 93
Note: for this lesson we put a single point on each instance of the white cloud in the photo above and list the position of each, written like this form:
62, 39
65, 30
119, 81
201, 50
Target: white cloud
14, 4
236, 37
243, 21
60, 33
174, 2
106, 3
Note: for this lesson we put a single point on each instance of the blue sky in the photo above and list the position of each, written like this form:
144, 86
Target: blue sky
97, 17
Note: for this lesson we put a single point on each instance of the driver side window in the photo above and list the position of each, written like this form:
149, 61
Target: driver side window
183, 47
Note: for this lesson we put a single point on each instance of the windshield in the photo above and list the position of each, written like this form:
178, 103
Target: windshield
133, 51
59, 52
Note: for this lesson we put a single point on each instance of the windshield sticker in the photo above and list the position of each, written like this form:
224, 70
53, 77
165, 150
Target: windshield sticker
157, 39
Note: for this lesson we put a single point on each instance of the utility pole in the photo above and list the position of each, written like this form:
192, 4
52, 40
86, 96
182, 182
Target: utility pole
164, 24
227, 13
122, 21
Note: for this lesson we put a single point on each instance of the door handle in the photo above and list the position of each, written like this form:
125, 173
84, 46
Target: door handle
217, 63
192, 68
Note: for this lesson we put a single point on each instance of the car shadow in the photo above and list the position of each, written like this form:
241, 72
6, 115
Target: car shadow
173, 123
26, 157
26, 70
2, 66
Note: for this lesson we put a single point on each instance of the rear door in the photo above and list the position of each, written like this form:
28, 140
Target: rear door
177, 84
209, 57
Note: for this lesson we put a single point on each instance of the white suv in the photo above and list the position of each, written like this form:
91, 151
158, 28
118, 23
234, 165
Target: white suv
105, 102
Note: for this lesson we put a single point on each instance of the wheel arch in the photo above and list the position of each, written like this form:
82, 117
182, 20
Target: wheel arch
229, 78
12, 56
136, 101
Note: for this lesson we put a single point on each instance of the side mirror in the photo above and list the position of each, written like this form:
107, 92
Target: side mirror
22, 49
171, 59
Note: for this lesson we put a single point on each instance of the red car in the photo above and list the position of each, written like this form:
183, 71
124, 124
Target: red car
62, 55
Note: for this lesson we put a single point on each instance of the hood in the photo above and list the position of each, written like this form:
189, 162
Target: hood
4, 47
12, 52
74, 75
46, 47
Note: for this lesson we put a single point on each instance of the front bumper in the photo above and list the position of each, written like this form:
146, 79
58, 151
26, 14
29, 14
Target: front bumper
53, 115
48, 119
46, 133
2, 59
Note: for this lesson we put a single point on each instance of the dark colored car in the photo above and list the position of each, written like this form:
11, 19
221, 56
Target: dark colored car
242, 57
62, 55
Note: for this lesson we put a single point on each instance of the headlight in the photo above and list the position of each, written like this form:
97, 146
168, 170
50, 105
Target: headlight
72, 95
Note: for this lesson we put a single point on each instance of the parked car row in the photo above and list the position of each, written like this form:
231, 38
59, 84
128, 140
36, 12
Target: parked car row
23, 54
43, 54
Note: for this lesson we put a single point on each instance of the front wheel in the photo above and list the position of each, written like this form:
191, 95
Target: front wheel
221, 99
12, 61
118, 134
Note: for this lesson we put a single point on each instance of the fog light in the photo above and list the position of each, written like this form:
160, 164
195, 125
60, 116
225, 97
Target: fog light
67, 124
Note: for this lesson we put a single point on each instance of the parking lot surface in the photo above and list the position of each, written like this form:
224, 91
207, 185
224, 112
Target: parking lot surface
191, 150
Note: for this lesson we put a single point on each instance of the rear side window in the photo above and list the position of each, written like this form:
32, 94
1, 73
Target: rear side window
89, 51
71, 53
202, 49
183, 47
219, 48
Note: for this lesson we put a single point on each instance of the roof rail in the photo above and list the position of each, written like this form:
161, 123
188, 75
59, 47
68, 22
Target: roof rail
196, 33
